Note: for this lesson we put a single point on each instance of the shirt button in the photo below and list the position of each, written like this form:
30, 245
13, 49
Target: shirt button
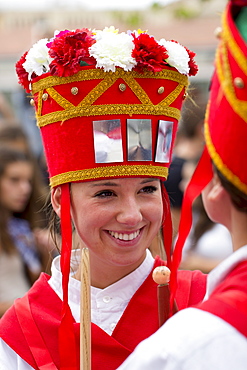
112, 326
106, 299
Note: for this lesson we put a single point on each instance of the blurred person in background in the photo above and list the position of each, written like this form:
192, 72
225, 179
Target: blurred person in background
7, 114
26, 116
15, 136
20, 259
188, 146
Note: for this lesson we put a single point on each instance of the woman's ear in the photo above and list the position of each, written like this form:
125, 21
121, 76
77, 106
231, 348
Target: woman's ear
217, 202
56, 200
217, 191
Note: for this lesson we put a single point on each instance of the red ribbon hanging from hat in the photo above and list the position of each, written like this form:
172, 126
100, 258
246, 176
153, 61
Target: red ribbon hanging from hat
167, 225
67, 343
201, 177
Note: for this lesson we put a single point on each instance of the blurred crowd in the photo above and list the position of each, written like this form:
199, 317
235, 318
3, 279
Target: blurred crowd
26, 245
26, 248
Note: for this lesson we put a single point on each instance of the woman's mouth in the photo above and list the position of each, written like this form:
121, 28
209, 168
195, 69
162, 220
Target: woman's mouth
124, 236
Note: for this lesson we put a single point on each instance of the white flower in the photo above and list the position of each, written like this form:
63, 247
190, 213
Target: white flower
113, 49
178, 56
37, 59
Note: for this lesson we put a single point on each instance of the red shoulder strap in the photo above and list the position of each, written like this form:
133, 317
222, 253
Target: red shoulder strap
38, 348
229, 299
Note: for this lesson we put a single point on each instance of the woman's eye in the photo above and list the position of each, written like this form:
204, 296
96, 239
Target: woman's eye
14, 180
149, 189
104, 194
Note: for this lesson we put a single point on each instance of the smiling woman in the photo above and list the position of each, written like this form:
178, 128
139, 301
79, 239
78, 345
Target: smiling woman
108, 105
124, 216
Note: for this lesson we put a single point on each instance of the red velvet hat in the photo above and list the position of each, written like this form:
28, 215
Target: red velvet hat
226, 118
107, 104
225, 121
105, 88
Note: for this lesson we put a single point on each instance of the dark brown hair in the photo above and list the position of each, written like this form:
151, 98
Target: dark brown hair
31, 213
239, 199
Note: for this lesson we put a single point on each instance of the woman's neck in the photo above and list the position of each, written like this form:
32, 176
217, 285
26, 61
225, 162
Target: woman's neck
239, 229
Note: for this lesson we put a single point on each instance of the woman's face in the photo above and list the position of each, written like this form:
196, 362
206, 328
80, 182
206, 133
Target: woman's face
15, 186
117, 219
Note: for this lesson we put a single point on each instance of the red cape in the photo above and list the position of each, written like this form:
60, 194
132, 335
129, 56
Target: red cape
30, 327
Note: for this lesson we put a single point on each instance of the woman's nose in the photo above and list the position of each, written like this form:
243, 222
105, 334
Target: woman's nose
129, 213
25, 187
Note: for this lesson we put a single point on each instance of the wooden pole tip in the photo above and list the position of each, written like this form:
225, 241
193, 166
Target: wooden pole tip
161, 275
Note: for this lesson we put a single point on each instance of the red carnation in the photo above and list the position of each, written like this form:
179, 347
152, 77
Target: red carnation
22, 74
148, 53
192, 63
69, 51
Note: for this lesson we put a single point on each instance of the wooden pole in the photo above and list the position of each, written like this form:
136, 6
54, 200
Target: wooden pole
161, 275
85, 312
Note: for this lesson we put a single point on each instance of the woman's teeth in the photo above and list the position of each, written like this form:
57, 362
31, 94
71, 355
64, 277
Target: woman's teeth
123, 236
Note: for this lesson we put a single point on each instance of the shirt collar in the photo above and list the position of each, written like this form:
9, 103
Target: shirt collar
124, 288
218, 274
127, 286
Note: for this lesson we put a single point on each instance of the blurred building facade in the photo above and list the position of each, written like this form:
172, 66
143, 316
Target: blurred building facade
191, 22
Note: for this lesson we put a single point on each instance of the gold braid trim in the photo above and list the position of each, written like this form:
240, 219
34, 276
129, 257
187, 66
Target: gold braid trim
64, 103
139, 92
225, 75
229, 175
96, 92
110, 171
172, 96
115, 109
239, 56
94, 74
38, 112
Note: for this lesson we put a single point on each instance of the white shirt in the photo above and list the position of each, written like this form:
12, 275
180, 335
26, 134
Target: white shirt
194, 339
107, 305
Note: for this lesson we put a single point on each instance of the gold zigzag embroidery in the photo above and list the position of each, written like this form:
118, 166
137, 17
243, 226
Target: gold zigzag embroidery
86, 107
64, 103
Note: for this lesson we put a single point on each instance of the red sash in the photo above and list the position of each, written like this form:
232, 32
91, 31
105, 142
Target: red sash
229, 300
31, 326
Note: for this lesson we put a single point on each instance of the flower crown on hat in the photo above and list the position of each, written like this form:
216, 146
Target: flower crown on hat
69, 51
